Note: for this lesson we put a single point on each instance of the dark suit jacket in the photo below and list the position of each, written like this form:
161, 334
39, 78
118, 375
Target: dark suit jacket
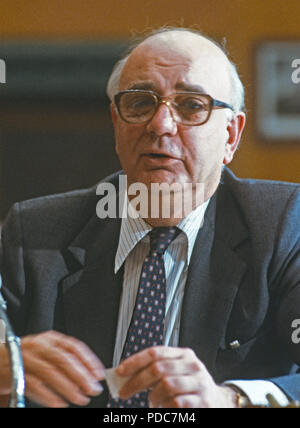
243, 281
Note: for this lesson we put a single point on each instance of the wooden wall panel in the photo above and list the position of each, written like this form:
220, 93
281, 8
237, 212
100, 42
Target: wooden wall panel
244, 23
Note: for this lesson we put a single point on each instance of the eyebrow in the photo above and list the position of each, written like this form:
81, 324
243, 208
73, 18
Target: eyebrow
190, 88
147, 86
185, 87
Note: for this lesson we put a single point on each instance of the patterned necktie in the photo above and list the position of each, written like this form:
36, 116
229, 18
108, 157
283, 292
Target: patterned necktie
147, 324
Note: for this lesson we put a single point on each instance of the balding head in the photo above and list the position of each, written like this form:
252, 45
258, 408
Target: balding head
177, 40
176, 76
186, 44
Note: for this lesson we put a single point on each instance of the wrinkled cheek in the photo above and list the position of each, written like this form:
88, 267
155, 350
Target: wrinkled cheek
124, 144
211, 130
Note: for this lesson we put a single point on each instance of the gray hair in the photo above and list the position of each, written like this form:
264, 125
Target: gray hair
237, 89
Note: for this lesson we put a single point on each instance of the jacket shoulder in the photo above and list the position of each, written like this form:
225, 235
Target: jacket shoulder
54, 217
267, 208
256, 194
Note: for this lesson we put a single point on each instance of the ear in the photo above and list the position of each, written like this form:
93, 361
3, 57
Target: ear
235, 128
114, 117
114, 113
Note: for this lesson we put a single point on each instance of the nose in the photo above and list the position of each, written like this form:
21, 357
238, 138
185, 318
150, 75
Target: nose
162, 122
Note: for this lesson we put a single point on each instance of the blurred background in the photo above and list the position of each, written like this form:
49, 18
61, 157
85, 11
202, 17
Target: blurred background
55, 128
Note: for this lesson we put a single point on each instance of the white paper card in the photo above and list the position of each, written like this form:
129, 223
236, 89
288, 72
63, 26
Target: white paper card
114, 382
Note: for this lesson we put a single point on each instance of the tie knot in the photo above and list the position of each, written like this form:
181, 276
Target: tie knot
161, 238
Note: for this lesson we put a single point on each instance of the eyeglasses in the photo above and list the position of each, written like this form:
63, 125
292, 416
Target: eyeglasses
187, 108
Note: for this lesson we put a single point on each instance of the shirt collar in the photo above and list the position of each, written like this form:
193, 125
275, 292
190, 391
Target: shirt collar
191, 225
134, 229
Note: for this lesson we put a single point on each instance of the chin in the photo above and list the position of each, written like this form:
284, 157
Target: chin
161, 176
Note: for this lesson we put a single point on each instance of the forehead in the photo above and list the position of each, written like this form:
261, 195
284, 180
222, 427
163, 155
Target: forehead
182, 62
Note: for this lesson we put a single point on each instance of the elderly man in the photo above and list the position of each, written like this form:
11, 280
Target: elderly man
195, 309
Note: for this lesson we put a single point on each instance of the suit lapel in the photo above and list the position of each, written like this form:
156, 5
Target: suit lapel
215, 274
91, 292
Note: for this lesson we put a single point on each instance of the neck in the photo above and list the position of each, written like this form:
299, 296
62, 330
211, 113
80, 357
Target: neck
162, 208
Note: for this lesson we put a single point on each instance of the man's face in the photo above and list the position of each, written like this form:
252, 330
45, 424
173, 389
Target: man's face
163, 151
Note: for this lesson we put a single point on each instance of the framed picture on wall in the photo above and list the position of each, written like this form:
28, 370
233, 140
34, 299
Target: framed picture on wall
278, 90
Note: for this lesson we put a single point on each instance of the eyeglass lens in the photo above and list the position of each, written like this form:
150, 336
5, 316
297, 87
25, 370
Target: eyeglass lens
186, 108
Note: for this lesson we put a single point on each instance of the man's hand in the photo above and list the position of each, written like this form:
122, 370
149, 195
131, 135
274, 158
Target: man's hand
176, 379
59, 370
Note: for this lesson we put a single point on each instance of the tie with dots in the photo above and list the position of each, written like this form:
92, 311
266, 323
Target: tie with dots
147, 324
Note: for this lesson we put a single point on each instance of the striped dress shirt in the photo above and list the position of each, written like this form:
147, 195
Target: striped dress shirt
133, 247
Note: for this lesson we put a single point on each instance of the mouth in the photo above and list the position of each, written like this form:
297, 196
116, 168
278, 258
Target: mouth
160, 155
159, 159
157, 155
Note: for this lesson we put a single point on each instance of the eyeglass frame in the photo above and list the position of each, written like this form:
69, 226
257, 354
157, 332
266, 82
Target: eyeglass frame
213, 103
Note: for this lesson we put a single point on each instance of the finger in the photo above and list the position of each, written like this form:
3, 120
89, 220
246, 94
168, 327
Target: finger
75, 347
86, 356
73, 369
55, 380
184, 401
153, 374
172, 386
41, 394
142, 359
181, 363
69, 355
